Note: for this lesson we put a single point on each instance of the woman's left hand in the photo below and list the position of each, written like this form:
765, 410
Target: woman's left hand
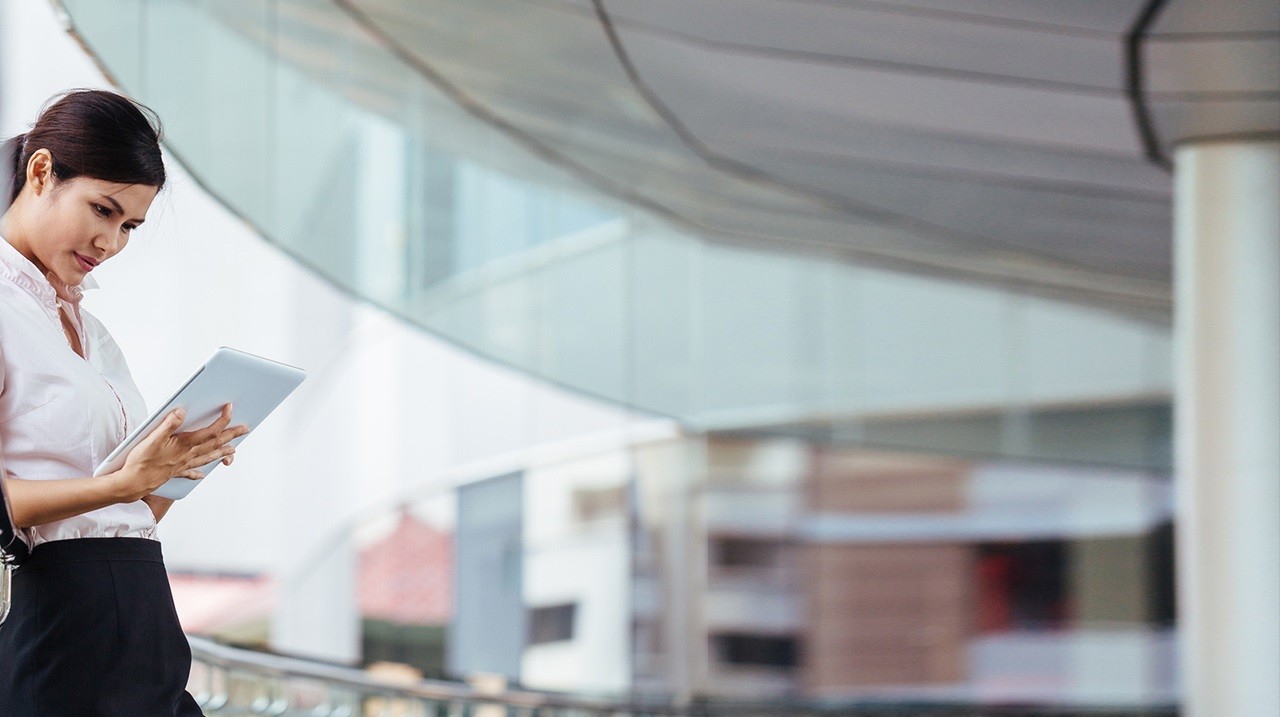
159, 505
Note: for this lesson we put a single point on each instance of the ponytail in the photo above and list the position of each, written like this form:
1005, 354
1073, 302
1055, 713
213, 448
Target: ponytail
90, 133
13, 172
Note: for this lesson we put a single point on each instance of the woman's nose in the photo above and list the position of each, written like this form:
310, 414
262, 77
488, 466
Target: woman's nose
110, 243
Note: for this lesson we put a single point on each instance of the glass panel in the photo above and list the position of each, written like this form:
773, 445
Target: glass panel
119, 35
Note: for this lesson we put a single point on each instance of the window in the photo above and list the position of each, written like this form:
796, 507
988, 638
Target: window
750, 553
553, 623
1022, 586
755, 650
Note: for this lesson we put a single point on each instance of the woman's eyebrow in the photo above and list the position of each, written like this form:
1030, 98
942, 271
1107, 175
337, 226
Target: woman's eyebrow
119, 208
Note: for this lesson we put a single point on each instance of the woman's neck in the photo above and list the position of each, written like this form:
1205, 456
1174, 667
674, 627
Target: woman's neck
11, 230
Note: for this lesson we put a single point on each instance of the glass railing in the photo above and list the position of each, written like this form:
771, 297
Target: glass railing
230, 681
236, 682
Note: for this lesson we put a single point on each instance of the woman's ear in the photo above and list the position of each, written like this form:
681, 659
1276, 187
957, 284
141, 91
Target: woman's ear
40, 171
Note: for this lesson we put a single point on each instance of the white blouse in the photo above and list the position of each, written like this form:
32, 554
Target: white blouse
60, 414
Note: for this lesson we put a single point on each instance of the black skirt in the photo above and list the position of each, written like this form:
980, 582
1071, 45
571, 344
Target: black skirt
93, 633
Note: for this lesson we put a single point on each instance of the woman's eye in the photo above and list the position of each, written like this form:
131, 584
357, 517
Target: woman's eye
128, 228
102, 210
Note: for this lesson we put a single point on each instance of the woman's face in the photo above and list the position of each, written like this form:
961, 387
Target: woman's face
77, 224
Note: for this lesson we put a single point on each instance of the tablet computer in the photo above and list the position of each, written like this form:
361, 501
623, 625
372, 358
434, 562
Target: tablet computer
253, 385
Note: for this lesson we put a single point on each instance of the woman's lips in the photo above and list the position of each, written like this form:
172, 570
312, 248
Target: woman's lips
85, 262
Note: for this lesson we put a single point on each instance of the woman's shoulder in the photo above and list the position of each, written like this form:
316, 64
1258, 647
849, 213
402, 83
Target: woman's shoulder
19, 310
10, 292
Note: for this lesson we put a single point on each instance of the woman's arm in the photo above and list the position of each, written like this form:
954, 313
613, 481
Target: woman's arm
164, 454
36, 502
70, 498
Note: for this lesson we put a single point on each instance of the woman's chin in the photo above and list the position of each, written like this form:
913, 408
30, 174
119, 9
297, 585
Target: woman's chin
69, 277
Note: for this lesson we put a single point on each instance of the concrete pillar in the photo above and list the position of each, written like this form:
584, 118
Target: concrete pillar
1227, 350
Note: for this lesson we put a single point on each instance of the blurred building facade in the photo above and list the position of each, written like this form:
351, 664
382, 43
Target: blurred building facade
898, 274
730, 566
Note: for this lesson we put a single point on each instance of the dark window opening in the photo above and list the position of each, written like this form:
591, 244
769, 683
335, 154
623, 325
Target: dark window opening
747, 553
1049, 585
1163, 598
759, 650
553, 623
1022, 586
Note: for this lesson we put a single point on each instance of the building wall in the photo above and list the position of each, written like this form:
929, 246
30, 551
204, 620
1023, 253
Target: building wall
769, 567
577, 550
885, 614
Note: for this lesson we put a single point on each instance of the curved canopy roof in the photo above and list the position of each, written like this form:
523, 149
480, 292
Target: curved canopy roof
1023, 143
448, 159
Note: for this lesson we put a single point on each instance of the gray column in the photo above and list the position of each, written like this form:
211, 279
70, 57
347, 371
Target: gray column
1227, 345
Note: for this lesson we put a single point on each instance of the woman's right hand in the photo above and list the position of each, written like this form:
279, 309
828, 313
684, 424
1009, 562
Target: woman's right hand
166, 454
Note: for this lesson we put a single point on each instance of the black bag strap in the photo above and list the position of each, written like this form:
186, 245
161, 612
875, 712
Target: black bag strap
13, 546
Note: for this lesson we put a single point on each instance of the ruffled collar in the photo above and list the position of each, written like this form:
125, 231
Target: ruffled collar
19, 269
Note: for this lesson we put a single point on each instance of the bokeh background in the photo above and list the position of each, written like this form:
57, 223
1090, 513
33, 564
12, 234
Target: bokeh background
813, 352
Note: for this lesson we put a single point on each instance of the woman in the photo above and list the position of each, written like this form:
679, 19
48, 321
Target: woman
93, 629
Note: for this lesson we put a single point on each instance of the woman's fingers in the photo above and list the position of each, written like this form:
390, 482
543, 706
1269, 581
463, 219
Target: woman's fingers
234, 432
168, 453
220, 440
218, 426
156, 446
210, 456
167, 427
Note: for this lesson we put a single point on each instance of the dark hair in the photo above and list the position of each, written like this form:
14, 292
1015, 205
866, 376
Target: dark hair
90, 133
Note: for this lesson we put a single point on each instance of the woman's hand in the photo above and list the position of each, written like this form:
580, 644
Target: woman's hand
165, 454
